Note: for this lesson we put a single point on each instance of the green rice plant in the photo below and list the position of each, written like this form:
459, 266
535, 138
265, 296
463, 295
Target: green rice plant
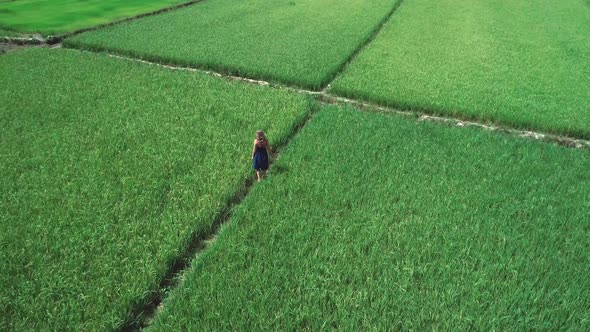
519, 63
109, 169
301, 42
60, 16
378, 222
8, 33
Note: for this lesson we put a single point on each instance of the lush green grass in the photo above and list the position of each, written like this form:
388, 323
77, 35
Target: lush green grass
303, 42
59, 16
375, 222
108, 168
8, 33
521, 63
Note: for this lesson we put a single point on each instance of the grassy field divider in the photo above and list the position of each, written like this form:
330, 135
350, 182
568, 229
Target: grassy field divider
570, 142
327, 98
211, 72
144, 314
56, 39
362, 46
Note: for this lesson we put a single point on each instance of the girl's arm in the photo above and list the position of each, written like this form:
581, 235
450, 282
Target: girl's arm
253, 150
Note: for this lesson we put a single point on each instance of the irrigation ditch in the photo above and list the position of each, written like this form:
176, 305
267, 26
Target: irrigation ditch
569, 142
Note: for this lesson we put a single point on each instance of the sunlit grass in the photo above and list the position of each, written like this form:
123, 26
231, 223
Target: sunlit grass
376, 222
519, 63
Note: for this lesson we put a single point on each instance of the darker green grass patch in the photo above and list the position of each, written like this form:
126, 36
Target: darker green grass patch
61, 16
377, 222
109, 168
8, 33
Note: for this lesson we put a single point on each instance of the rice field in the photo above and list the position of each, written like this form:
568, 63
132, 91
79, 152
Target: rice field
109, 169
114, 171
520, 63
299, 42
376, 222
60, 16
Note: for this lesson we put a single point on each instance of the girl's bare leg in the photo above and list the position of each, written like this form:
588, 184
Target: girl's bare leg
265, 173
258, 175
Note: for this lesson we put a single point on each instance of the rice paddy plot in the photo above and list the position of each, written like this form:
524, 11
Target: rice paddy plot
109, 168
519, 63
377, 222
60, 16
301, 42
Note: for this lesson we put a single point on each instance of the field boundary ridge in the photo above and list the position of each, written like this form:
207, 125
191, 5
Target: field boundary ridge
363, 45
326, 98
566, 141
28, 40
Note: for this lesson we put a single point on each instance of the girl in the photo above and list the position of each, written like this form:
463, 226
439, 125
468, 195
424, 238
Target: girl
260, 154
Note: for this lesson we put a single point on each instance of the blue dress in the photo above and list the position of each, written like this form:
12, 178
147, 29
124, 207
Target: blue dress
260, 158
